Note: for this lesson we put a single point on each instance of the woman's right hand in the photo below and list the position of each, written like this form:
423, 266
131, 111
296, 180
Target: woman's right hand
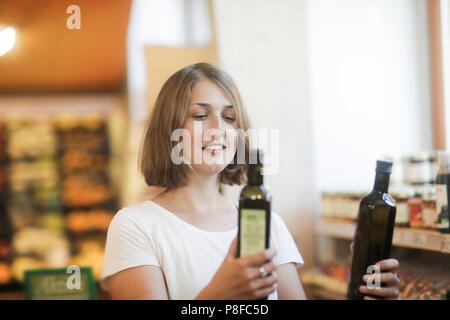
240, 278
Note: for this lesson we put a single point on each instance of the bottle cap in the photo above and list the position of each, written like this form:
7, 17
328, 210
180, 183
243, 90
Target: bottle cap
384, 166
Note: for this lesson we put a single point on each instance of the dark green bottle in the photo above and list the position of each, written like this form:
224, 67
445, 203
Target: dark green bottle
254, 209
374, 230
443, 191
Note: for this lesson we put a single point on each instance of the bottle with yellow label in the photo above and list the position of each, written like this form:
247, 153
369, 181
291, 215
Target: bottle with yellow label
254, 210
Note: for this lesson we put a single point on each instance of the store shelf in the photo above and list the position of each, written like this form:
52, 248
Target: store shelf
323, 286
315, 292
446, 244
403, 237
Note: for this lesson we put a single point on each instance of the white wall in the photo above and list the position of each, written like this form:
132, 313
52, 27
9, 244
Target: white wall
152, 22
344, 81
445, 36
369, 78
262, 45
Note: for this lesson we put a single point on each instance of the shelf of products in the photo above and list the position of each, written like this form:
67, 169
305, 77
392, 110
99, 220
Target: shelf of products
56, 192
329, 281
403, 237
326, 283
418, 225
416, 206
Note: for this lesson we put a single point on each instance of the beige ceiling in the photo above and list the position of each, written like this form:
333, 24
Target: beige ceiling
49, 57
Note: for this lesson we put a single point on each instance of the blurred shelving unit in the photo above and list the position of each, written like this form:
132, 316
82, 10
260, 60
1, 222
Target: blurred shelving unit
403, 237
321, 286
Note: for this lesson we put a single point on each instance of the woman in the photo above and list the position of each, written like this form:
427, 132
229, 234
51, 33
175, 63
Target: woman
182, 243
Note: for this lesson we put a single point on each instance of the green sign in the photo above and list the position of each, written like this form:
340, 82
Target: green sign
71, 283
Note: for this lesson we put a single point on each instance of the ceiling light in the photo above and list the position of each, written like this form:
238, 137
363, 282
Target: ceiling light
7, 40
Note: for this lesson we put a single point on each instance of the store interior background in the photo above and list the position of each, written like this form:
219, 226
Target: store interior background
345, 83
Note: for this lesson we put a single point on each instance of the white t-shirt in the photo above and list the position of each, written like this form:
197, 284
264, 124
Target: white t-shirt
148, 234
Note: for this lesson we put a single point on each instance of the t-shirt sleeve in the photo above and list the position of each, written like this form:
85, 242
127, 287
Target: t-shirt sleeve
127, 246
287, 250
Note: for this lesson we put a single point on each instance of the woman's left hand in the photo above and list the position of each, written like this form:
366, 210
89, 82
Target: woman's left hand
387, 276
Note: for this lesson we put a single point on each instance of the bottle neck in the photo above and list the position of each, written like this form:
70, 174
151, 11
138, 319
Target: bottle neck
381, 182
254, 175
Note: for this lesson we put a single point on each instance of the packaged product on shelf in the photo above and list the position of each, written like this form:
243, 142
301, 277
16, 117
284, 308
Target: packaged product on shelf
85, 135
3, 180
419, 168
79, 221
52, 221
433, 158
90, 253
2, 142
422, 281
441, 289
5, 262
82, 190
30, 139
346, 206
415, 207
5, 273
55, 184
73, 160
341, 205
401, 197
328, 204
39, 248
5, 247
429, 214
353, 206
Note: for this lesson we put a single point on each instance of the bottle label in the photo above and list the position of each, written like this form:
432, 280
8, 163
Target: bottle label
253, 231
402, 215
429, 217
442, 206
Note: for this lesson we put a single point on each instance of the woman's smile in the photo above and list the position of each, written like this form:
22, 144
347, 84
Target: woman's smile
214, 148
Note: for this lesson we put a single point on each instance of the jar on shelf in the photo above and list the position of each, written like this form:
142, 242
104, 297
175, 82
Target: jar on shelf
430, 214
353, 208
401, 198
418, 169
346, 209
415, 207
434, 165
328, 204
339, 205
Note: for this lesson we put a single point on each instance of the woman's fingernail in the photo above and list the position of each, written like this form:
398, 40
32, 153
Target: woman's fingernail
365, 278
361, 288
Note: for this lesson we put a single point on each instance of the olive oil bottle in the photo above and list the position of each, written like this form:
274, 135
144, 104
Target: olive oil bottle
254, 209
374, 230
443, 191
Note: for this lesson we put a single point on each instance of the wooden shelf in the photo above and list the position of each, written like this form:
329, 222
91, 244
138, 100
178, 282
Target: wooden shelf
403, 237
323, 286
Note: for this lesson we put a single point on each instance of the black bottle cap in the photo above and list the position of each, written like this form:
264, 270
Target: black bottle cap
384, 166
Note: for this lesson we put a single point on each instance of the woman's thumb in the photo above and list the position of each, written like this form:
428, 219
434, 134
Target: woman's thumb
232, 251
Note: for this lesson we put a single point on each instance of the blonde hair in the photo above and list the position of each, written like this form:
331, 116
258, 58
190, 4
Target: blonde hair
170, 113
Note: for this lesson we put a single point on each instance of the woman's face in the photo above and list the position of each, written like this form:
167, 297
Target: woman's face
211, 124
